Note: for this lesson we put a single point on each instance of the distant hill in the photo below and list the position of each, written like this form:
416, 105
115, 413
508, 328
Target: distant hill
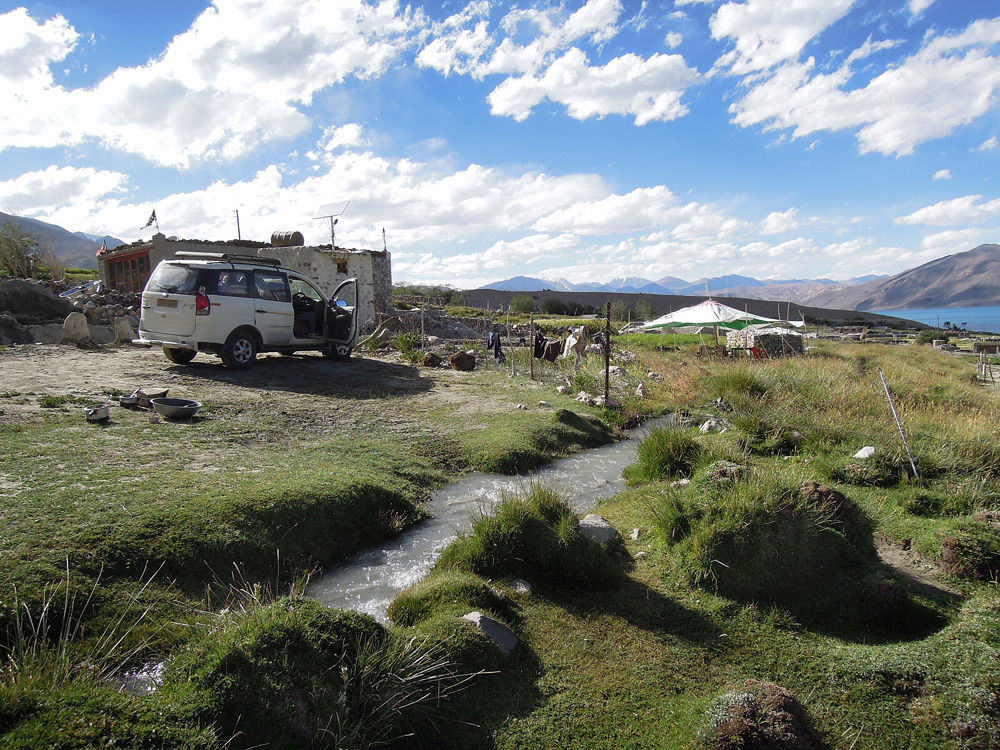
969, 279
721, 286
75, 249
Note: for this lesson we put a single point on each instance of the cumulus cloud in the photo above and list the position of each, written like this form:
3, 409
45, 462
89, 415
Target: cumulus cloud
766, 33
649, 89
237, 78
779, 222
34, 191
949, 242
952, 80
965, 210
989, 144
942, 174
919, 6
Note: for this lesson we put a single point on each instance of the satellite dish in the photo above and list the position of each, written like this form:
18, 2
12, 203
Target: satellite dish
331, 211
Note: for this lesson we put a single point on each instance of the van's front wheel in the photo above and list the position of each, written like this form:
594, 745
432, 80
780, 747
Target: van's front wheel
240, 350
341, 352
179, 356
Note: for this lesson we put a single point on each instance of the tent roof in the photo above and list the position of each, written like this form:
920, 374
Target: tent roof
712, 313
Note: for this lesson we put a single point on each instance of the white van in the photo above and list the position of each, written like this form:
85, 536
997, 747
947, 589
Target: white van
235, 306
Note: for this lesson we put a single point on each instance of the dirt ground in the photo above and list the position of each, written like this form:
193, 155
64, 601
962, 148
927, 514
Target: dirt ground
382, 387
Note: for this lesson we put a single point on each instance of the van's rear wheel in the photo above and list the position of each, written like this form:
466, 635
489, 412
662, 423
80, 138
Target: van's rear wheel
178, 356
240, 350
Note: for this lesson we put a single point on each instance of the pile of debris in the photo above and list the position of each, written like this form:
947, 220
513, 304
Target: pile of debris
769, 344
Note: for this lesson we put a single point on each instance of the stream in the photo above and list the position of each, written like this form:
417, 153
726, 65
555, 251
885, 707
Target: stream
370, 580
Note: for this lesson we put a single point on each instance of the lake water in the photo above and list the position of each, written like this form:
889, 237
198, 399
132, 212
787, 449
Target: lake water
975, 318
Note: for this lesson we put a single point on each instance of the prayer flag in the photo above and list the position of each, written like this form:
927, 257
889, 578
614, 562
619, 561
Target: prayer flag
152, 218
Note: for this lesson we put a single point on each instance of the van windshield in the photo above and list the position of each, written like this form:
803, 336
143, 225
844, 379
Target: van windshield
173, 279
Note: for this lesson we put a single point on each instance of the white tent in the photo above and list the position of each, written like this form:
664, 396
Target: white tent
712, 314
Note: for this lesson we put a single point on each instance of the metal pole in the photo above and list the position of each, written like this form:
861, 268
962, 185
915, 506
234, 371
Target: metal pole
899, 424
238, 235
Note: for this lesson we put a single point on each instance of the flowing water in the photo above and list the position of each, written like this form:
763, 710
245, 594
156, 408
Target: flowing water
372, 578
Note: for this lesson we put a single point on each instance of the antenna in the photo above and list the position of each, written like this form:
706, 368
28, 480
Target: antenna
331, 211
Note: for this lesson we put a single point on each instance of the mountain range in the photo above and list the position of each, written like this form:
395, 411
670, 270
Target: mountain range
75, 249
722, 286
968, 279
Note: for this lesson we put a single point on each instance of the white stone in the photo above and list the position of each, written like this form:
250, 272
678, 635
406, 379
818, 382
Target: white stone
499, 633
76, 330
867, 452
597, 528
123, 331
544, 403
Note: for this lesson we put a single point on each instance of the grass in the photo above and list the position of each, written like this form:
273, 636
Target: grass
739, 579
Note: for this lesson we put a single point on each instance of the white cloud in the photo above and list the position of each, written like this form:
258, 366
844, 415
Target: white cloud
989, 144
673, 39
951, 81
919, 6
964, 210
942, 174
28, 48
949, 243
767, 33
55, 186
649, 89
237, 78
779, 222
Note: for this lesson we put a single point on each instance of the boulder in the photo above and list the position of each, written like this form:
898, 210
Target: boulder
867, 452
499, 633
123, 331
463, 361
711, 425
641, 391
431, 360
76, 330
597, 528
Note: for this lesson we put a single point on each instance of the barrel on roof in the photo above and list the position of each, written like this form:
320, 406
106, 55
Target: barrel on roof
287, 239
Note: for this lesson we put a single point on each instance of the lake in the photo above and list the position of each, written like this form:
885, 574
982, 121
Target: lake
974, 318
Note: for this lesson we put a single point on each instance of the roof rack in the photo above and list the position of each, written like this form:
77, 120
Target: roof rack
229, 258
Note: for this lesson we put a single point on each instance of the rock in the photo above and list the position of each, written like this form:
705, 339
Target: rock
867, 452
563, 390
462, 361
654, 375
597, 528
522, 407
76, 330
612, 402
634, 536
711, 425
123, 331
639, 555
544, 403
641, 391
680, 482
431, 360
499, 633
617, 372
585, 398
433, 339
520, 586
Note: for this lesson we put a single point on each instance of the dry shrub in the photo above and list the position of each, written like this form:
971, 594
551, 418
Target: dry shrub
761, 716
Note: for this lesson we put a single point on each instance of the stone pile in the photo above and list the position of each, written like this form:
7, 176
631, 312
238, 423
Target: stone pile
774, 344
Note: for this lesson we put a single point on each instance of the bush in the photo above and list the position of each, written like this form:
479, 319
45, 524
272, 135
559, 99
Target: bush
522, 303
929, 335
452, 592
531, 534
294, 673
663, 454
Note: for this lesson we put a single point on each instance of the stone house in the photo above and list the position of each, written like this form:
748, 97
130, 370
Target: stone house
127, 268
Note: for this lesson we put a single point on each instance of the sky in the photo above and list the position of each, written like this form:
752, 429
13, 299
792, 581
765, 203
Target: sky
480, 140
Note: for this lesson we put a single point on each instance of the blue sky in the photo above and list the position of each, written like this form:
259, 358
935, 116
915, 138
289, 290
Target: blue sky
586, 140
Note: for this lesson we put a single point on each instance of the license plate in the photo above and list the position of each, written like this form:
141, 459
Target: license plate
166, 303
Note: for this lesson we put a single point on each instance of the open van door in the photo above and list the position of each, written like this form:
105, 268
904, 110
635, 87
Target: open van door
342, 320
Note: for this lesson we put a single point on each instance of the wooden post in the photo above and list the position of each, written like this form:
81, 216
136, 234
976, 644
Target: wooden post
510, 343
899, 424
531, 346
607, 355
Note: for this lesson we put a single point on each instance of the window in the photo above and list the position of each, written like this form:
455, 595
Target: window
232, 283
271, 286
